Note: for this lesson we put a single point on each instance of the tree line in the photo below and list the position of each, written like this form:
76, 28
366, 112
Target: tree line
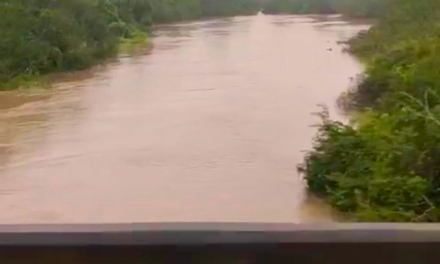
384, 165
42, 36
354, 8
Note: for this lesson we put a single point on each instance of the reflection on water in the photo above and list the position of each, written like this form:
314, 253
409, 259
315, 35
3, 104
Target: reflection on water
208, 125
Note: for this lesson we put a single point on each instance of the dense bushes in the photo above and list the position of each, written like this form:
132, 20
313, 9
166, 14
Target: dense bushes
355, 8
384, 165
381, 167
41, 36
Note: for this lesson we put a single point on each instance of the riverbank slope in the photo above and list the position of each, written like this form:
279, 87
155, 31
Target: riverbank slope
383, 165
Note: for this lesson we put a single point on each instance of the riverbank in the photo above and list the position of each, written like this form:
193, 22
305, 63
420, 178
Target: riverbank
383, 165
41, 37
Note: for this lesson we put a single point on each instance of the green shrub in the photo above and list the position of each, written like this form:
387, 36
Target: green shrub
40, 36
380, 167
384, 165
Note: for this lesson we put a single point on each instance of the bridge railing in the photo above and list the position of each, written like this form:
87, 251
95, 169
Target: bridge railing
220, 243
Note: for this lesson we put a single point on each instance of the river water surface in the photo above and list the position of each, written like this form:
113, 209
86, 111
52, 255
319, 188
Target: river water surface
208, 124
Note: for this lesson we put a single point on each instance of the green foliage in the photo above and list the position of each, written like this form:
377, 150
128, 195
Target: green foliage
355, 8
384, 166
39, 36
401, 54
299, 7
379, 168
42, 36
229, 7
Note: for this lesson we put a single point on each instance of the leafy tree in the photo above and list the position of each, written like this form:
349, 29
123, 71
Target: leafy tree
383, 166
41, 36
355, 8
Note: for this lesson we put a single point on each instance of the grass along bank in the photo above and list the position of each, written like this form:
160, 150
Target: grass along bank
384, 165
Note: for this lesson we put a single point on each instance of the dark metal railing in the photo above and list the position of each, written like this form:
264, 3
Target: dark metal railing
220, 243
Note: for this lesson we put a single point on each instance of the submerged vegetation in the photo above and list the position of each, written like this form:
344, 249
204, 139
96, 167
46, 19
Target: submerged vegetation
42, 36
384, 165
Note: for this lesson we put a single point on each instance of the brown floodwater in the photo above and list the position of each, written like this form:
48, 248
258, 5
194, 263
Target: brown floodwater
207, 124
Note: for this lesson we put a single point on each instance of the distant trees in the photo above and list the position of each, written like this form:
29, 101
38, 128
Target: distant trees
229, 7
356, 8
299, 7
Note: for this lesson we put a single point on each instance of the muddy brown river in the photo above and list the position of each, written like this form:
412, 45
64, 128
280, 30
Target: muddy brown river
207, 124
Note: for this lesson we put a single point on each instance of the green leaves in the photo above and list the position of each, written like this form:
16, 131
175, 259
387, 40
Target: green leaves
373, 170
229, 7
41, 36
358, 8
385, 165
